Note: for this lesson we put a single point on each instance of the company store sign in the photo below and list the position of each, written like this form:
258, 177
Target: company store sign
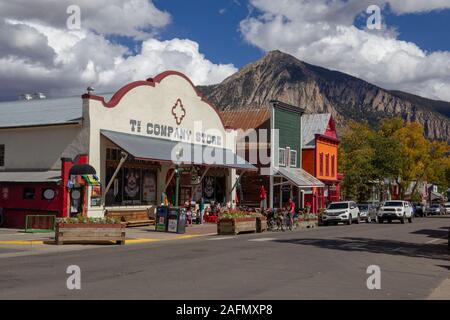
180, 134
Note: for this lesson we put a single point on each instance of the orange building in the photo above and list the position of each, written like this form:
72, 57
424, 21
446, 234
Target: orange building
320, 156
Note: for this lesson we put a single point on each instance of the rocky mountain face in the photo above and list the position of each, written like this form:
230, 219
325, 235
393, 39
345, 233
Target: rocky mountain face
279, 76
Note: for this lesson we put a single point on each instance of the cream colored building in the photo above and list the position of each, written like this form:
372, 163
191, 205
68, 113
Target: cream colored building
144, 135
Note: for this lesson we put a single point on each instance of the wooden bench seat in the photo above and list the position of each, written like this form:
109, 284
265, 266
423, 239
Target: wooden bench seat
132, 218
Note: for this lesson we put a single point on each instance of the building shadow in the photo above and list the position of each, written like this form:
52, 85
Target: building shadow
379, 246
433, 233
444, 267
438, 217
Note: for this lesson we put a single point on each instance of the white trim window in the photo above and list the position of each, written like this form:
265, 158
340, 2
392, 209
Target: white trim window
282, 157
293, 158
2, 155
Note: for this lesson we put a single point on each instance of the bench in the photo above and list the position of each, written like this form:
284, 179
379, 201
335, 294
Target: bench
132, 218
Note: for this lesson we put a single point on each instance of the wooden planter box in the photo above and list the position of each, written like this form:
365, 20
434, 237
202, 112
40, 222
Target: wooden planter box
88, 233
261, 224
236, 226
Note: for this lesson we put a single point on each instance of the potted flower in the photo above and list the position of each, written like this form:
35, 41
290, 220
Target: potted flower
84, 229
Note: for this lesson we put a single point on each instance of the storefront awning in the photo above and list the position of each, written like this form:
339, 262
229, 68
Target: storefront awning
147, 148
82, 169
27, 176
436, 196
300, 178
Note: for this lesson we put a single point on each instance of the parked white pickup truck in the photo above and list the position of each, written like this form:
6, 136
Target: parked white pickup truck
396, 210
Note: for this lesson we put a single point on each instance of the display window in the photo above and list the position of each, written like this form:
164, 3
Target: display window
134, 185
214, 189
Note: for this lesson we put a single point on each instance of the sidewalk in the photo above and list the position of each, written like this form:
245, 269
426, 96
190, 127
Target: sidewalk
133, 235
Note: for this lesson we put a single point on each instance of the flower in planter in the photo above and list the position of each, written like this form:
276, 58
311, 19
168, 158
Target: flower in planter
85, 220
235, 215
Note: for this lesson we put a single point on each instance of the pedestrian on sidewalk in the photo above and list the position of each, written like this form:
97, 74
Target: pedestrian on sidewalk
263, 198
202, 209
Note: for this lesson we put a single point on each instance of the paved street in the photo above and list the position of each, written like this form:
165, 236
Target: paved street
326, 263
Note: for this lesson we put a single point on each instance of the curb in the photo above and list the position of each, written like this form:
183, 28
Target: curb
127, 242
23, 242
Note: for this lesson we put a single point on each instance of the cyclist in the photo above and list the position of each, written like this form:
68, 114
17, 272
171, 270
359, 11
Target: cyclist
290, 212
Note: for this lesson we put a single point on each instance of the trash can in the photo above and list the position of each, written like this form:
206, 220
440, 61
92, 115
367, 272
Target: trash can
162, 215
177, 220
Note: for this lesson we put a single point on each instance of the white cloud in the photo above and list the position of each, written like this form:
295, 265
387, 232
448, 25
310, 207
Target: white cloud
412, 6
127, 18
39, 53
321, 32
176, 54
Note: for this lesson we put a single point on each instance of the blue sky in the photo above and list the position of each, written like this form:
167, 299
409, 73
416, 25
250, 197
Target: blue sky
214, 24
431, 31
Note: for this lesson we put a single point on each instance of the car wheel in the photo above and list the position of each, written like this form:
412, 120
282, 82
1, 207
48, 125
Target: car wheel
325, 223
389, 220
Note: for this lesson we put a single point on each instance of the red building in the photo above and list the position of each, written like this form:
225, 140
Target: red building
320, 144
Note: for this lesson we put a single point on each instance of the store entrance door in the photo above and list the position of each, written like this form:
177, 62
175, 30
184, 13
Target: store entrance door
285, 194
76, 201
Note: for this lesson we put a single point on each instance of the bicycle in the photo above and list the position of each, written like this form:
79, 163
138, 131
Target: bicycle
274, 220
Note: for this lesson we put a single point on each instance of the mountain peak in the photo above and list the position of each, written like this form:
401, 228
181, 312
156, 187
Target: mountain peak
281, 76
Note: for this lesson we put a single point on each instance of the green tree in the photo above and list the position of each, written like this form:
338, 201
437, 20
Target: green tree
356, 156
414, 151
396, 151
387, 158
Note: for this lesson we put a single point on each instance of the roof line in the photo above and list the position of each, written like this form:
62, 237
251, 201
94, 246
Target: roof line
43, 125
151, 82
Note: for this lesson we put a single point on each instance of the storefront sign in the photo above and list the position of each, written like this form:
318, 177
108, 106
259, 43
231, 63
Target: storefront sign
158, 130
96, 196
209, 186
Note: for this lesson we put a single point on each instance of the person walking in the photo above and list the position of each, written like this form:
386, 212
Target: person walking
263, 198
202, 210
291, 213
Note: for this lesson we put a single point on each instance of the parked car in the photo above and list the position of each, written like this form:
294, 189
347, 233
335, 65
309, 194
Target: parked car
433, 210
368, 212
445, 208
345, 211
395, 210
